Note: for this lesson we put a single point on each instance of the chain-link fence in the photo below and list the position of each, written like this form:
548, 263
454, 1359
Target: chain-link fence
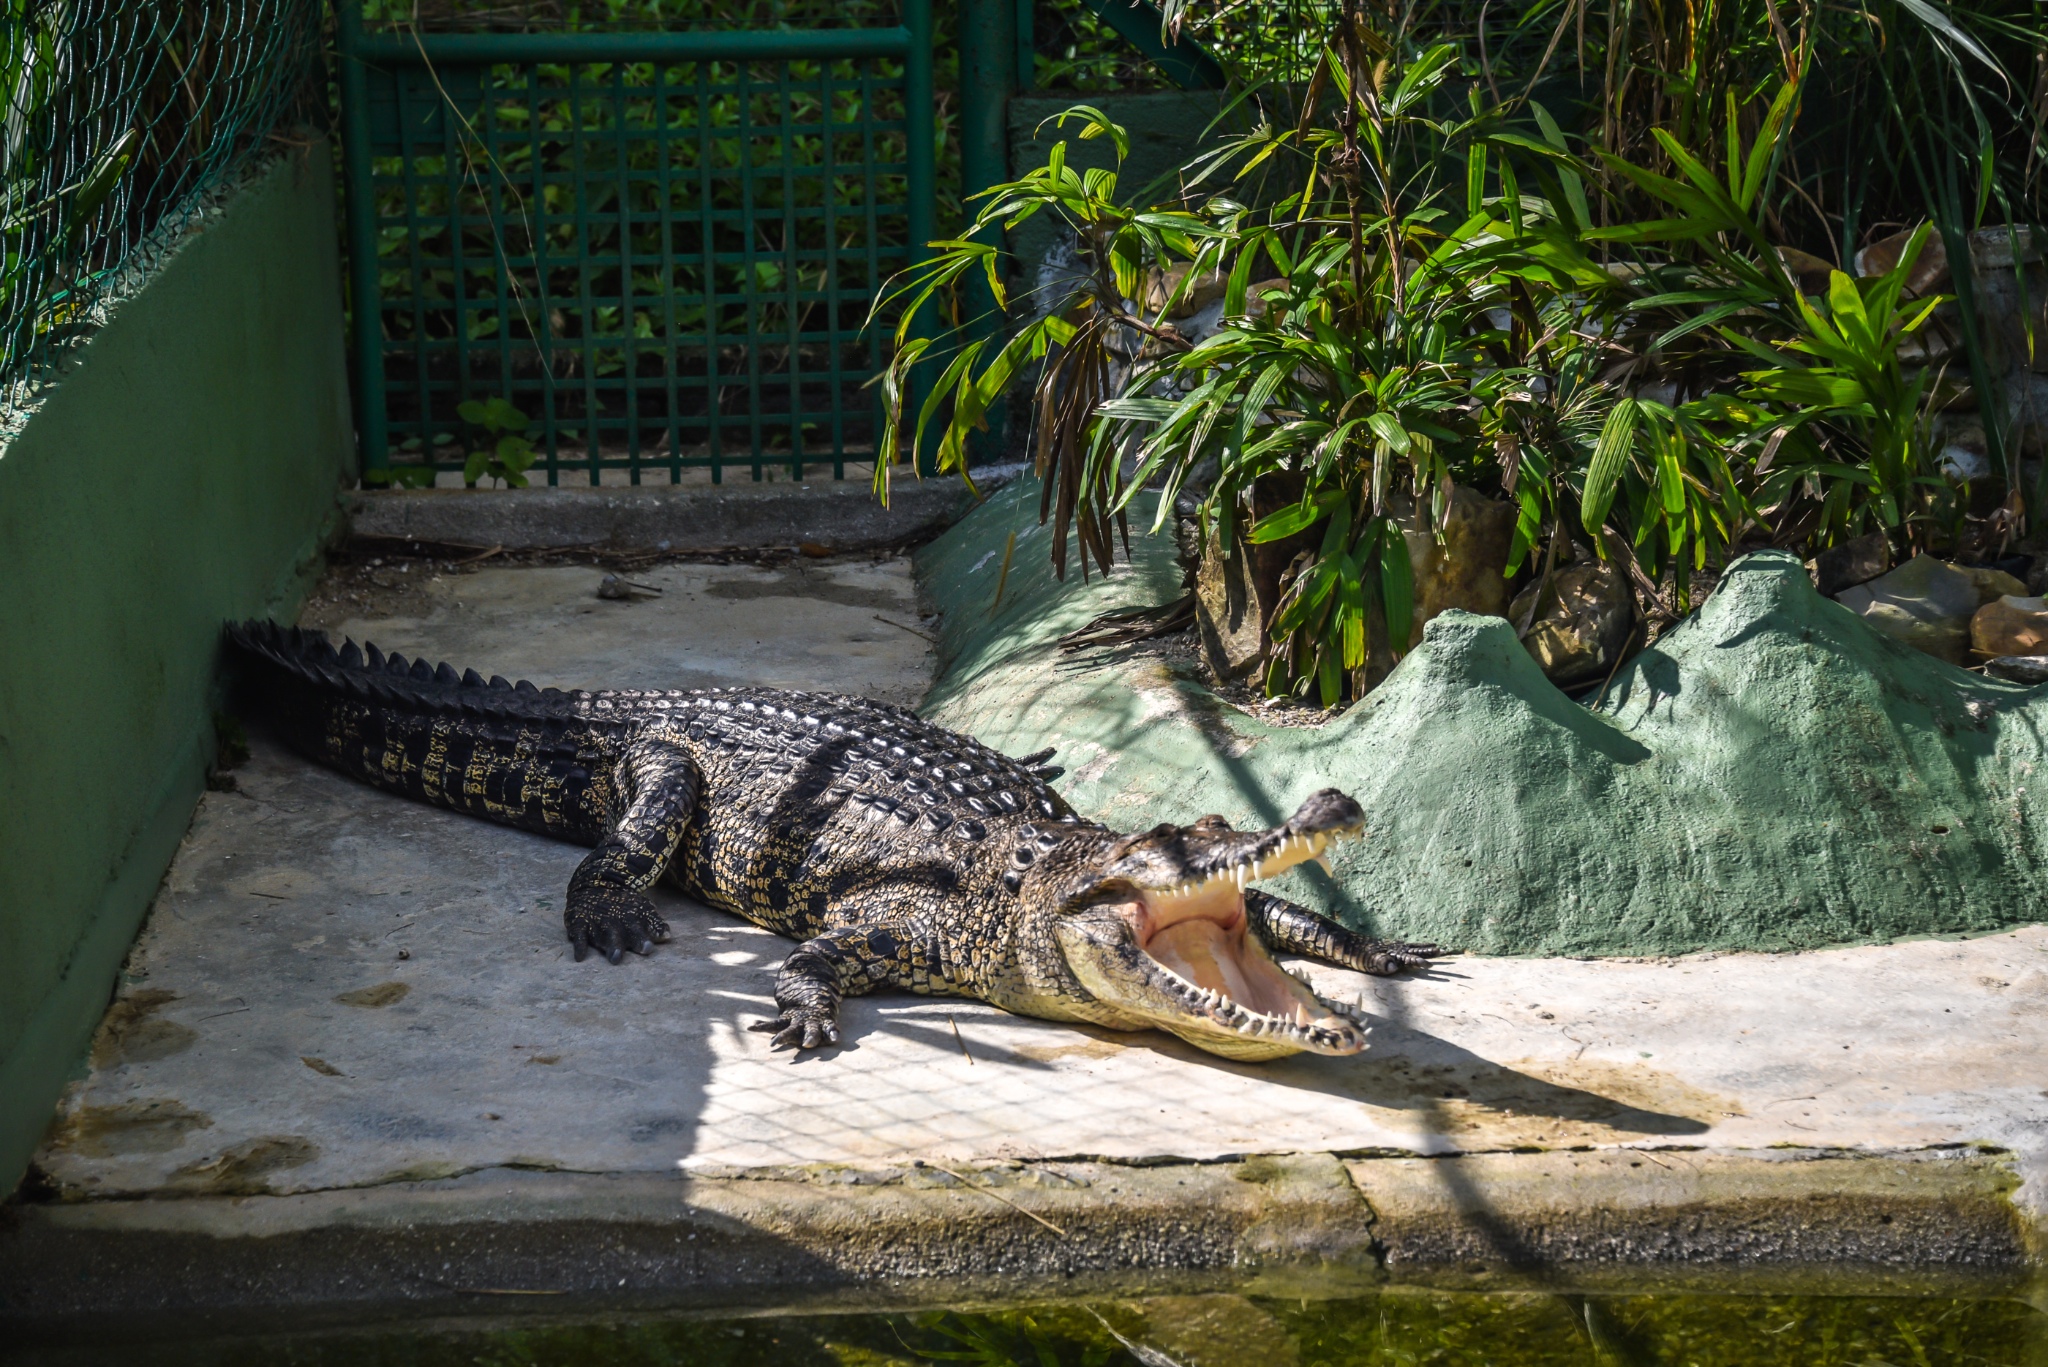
119, 116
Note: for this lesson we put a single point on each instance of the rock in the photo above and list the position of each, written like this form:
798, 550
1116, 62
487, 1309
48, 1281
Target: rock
1258, 297
1963, 463
1930, 270
2019, 669
1580, 625
1993, 583
1927, 603
1206, 290
1468, 569
1810, 271
1851, 563
2010, 625
1235, 598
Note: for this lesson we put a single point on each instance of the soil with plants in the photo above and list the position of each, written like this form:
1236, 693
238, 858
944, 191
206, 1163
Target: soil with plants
1551, 320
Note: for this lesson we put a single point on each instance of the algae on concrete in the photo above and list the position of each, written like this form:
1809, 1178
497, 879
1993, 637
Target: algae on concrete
1774, 774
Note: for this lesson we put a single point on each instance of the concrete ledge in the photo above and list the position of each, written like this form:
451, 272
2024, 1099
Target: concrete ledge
882, 1236
1910, 1223
843, 515
906, 1235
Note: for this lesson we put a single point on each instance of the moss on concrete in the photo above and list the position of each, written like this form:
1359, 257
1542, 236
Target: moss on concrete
182, 471
1773, 775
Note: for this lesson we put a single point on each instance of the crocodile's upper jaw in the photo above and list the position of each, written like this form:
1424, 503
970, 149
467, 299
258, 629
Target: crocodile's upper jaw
1177, 954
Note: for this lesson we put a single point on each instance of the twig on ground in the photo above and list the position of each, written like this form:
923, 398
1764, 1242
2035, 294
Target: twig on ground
994, 1196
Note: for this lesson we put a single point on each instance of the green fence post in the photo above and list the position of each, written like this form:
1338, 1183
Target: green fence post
923, 187
365, 311
1026, 43
989, 59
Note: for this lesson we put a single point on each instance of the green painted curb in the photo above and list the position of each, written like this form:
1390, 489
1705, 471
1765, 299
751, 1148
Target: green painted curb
1773, 775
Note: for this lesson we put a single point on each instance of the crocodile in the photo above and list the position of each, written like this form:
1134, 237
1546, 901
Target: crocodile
897, 853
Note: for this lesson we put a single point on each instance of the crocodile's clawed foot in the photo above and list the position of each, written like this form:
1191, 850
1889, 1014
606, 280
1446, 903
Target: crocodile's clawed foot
799, 1028
1385, 958
612, 921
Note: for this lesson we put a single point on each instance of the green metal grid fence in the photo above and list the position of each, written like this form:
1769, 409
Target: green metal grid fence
658, 247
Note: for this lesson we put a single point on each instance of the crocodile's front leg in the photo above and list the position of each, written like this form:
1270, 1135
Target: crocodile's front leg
608, 908
1293, 929
825, 970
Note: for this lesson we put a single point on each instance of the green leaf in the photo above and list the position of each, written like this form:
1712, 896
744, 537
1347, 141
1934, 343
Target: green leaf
1388, 429
473, 468
1098, 125
505, 417
1610, 454
105, 174
1295, 517
1766, 145
1671, 477
1397, 585
473, 412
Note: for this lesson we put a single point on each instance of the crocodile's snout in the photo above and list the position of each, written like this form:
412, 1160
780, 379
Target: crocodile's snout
1158, 932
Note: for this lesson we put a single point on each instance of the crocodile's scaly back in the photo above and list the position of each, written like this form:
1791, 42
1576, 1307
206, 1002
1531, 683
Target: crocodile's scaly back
898, 852
800, 795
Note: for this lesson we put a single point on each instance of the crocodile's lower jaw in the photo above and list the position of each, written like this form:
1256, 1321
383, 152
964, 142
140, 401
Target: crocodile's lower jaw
1185, 961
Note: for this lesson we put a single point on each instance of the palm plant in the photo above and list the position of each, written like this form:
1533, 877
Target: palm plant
1617, 340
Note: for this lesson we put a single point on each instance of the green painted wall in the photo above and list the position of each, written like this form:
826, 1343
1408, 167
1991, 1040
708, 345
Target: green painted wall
184, 470
1774, 774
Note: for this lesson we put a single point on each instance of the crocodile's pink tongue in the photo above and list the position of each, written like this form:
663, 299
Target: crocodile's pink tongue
1205, 954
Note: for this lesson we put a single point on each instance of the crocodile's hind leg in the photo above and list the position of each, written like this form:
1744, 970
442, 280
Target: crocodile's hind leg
608, 908
1293, 929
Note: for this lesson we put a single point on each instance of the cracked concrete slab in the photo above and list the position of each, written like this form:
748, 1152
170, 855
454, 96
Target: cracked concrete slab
346, 1008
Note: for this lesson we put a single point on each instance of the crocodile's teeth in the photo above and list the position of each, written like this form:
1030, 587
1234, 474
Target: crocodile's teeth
1322, 861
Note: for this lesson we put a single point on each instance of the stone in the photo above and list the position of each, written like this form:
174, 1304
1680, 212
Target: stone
1930, 269
1160, 287
1468, 568
2020, 669
1581, 621
2010, 625
1993, 583
1853, 562
1927, 603
1810, 271
1259, 297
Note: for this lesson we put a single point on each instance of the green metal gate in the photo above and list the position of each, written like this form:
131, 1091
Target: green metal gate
658, 248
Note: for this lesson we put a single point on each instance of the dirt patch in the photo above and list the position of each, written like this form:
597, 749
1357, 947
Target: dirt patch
383, 994
157, 1125
244, 1169
131, 1032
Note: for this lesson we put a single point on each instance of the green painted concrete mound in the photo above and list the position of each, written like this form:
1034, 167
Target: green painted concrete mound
1773, 775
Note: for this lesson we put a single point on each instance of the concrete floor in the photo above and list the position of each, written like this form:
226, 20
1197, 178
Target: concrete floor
338, 991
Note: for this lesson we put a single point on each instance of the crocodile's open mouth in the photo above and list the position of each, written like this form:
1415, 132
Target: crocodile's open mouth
1197, 932
1182, 955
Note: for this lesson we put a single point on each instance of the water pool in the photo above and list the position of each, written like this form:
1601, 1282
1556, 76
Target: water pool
1393, 1328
